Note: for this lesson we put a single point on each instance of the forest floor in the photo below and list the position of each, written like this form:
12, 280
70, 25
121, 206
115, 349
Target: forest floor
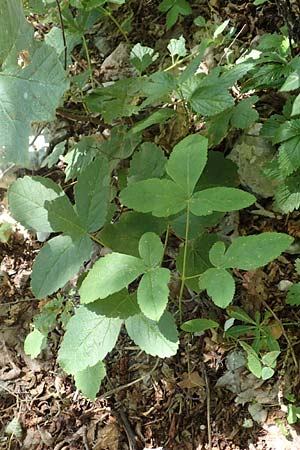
187, 402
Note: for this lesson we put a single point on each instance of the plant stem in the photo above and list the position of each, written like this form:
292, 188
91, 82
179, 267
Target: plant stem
88, 58
166, 242
183, 278
114, 20
95, 239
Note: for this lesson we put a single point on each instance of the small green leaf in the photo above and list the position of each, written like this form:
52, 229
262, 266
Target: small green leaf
159, 116
216, 253
150, 159
26, 199
223, 199
251, 252
253, 362
267, 373
124, 235
155, 338
220, 286
293, 295
142, 57
151, 249
88, 339
88, 381
221, 28
244, 115
198, 325
92, 194
161, 197
121, 305
153, 292
110, 274
34, 343
177, 47
269, 359
239, 314
58, 261
187, 162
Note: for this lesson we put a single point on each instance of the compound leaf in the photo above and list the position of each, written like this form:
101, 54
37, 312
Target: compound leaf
155, 338
251, 252
153, 292
58, 261
222, 199
187, 162
88, 381
88, 339
110, 274
219, 284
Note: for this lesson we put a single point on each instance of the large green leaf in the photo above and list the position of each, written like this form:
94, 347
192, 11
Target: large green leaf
155, 338
153, 292
92, 194
88, 381
244, 115
211, 100
251, 252
187, 162
88, 339
110, 274
32, 82
124, 235
121, 305
219, 285
161, 197
26, 199
58, 261
151, 249
222, 199
149, 160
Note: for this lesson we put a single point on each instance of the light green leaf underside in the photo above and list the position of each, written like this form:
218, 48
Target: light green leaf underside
251, 252
92, 194
121, 305
109, 275
155, 338
58, 261
26, 199
160, 197
34, 343
220, 286
153, 292
88, 339
32, 82
222, 199
88, 381
187, 162
216, 253
151, 249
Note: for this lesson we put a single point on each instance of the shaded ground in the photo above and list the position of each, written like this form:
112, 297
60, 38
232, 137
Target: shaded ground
176, 403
